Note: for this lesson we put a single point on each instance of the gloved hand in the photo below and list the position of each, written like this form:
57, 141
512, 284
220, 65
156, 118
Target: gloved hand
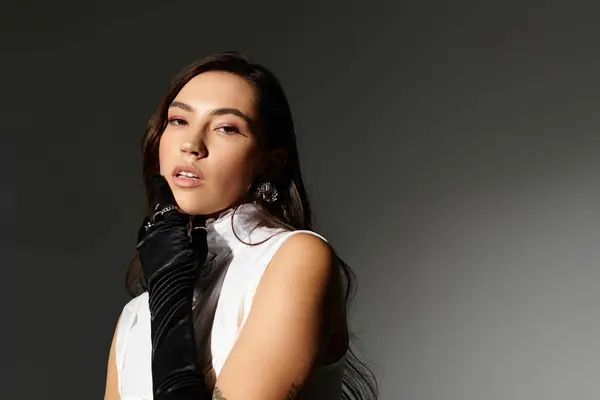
172, 251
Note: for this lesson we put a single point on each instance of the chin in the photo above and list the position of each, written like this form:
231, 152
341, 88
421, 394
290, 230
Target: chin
190, 204
193, 208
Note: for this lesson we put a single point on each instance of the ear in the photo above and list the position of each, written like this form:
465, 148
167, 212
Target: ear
274, 164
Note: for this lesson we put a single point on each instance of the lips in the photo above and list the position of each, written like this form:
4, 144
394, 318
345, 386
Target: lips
187, 176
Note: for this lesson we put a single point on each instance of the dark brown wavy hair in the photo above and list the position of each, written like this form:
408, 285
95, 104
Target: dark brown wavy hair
292, 209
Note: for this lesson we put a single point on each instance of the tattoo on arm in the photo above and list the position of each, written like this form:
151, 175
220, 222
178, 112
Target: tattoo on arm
217, 395
292, 394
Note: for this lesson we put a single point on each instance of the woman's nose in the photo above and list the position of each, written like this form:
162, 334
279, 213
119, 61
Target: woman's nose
195, 149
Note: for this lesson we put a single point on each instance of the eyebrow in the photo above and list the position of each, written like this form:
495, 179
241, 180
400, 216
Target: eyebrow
217, 111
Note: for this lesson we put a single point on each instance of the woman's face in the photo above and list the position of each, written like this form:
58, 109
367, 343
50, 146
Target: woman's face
209, 152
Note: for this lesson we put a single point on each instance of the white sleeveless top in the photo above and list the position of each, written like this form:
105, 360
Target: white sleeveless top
133, 344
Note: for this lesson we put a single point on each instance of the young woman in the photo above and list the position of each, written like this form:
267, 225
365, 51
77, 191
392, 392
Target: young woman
235, 297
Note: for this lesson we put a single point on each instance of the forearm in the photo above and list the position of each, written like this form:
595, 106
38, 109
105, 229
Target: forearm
171, 255
176, 373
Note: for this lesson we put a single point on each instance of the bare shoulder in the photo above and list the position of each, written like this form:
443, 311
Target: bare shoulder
313, 255
304, 270
309, 263
305, 261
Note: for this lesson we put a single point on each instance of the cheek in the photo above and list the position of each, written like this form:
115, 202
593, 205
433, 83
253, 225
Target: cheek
237, 171
165, 149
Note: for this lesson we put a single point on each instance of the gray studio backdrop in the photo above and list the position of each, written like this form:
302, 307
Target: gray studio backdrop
450, 149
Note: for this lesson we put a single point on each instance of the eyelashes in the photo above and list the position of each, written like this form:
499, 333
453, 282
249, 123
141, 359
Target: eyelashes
177, 121
226, 129
229, 129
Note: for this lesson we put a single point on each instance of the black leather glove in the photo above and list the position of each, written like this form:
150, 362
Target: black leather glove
172, 253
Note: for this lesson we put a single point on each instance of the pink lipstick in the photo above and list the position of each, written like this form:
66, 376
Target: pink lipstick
187, 176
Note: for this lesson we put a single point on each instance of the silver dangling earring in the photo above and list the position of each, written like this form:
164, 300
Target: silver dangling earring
267, 192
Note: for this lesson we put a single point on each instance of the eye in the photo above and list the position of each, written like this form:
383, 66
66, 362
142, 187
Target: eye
229, 129
177, 121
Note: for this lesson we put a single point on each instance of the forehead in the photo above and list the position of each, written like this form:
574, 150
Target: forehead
215, 89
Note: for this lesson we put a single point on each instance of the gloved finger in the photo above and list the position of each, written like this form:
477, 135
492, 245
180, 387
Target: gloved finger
162, 193
143, 229
199, 234
198, 220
